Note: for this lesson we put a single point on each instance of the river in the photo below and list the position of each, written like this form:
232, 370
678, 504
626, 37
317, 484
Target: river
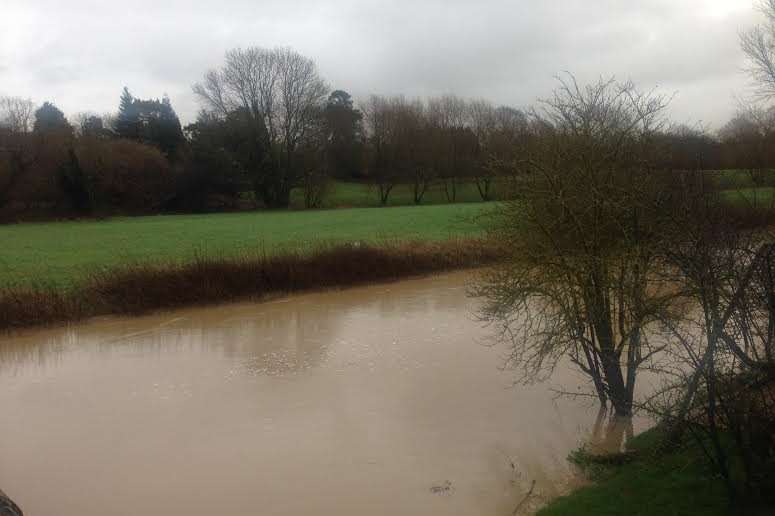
380, 400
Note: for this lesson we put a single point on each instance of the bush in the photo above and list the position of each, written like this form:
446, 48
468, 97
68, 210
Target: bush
128, 177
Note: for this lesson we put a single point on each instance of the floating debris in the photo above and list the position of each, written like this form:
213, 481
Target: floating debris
445, 488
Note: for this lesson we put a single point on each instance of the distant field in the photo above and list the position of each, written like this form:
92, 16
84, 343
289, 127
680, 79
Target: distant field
60, 253
342, 194
763, 197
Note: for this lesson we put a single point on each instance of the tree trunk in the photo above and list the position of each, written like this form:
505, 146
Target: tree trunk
617, 391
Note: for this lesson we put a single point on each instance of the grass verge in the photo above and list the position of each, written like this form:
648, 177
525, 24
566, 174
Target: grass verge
141, 288
652, 484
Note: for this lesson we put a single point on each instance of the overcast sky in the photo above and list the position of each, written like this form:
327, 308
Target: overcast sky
80, 53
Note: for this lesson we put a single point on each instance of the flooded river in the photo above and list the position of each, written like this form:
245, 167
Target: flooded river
381, 400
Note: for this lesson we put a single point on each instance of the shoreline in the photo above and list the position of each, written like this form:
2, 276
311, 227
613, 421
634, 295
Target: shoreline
141, 289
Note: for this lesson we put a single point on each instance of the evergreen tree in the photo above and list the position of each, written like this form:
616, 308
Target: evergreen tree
50, 118
151, 122
126, 121
344, 134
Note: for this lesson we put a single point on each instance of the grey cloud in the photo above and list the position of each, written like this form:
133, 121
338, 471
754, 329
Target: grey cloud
82, 52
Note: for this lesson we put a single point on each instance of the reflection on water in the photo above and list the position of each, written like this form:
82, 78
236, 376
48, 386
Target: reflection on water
377, 400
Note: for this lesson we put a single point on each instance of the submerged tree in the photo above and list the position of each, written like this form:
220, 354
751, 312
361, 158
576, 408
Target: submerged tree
580, 235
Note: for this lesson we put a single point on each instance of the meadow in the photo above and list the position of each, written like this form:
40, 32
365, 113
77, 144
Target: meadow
60, 254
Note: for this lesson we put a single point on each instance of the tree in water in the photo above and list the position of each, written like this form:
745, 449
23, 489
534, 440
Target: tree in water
582, 235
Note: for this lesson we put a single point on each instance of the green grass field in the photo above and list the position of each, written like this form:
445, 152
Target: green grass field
763, 197
60, 253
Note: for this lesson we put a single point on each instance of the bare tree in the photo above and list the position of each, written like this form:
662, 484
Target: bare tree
282, 90
378, 128
412, 141
501, 134
314, 164
399, 145
758, 44
721, 260
453, 140
17, 114
580, 233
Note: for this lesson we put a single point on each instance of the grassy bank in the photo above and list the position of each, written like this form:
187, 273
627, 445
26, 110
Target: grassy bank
654, 484
62, 254
135, 289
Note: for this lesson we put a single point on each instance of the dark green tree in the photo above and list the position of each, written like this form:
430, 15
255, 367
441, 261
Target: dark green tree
228, 155
77, 183
151, 122
344, 134
126, 121
50, 118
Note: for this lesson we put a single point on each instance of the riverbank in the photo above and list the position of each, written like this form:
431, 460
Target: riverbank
142, 288
62, 254
652, 484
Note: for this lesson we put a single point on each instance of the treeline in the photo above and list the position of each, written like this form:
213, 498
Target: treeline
270, 124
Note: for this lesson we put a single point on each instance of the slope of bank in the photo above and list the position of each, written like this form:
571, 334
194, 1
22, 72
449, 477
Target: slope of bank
653, 484
140, 288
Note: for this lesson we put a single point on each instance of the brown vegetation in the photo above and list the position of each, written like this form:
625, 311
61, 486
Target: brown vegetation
142, 288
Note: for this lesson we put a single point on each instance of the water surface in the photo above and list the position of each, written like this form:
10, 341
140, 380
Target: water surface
381, 400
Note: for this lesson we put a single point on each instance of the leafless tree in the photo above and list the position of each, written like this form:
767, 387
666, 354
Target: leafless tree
413, 148
581, 237
17, 114
378, 128
453, 141
721, 262
283, 92
313, 163
399, 145
758, 44
501, 133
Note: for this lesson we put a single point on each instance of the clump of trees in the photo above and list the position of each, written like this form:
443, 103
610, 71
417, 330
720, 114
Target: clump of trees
269, 125
48, 167
447, 140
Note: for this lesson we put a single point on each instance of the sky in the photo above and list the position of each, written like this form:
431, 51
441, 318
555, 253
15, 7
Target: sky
81, 53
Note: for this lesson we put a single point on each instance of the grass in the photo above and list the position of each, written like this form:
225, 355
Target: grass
61, 254
654, 484
345, 194
762, 197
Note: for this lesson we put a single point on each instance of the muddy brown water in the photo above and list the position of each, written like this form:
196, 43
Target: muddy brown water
381, 400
